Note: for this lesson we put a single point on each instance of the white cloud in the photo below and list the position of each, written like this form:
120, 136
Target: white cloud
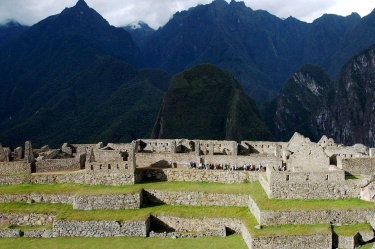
157, 13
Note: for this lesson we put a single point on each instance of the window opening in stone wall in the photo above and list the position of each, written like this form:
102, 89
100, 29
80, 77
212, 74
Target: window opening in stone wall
327, 177
287, 177
109, 166
126, 166
118, 167
100, 166
92, 167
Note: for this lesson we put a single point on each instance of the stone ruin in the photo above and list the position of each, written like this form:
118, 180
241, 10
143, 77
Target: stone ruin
298, 169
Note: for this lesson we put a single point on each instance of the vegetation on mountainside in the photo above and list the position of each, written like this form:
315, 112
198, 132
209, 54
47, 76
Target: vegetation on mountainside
67, 82
205, 102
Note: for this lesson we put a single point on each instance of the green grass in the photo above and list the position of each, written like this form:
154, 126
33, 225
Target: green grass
233, 241
65, 211
264, 203
220, 188
351, 230
254, 189
368, 246
68, 189
78, 189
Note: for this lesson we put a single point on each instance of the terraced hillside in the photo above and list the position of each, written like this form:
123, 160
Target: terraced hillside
193, 211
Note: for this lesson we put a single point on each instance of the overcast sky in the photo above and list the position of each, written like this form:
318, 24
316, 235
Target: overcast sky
157, 12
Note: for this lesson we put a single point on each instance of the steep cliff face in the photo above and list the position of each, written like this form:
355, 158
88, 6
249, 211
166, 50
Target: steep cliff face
314, 106
205, 102
300, 98
350, 115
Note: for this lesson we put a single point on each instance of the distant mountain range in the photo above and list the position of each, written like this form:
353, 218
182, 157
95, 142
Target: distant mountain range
258, 48
75, 78
66, 79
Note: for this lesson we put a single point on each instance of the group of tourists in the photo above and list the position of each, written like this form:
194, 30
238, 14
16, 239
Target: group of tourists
226, 166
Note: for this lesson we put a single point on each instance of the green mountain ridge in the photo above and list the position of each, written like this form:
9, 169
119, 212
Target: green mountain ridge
206, 102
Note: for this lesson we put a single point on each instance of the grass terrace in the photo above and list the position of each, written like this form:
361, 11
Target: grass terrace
254, 189
233, 241
351, 230
264, 203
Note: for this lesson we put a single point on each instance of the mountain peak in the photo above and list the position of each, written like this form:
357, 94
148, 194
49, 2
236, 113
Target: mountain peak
81, 3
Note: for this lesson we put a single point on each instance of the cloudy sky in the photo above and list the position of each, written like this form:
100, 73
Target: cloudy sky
157, 12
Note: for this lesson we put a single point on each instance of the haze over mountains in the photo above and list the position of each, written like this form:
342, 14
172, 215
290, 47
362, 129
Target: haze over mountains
73, 77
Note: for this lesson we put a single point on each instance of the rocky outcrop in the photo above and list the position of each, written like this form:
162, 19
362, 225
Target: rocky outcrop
368, 188
313, 105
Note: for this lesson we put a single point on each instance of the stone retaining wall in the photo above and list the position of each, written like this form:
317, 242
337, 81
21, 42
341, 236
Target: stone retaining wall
73, 177
111, 176
216, 226
47, 198
344, 217
195, 198
14, 179
10, 233
21, 219
196, 175
110, 201
82, 202
76, 228
39, 233
292, 242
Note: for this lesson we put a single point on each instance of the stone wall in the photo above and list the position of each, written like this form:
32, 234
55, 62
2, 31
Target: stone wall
45, 198
110, 177
67, 164
14, 179
38, 233
164, 160
292, 242
74, 177
262, 147
195, 198
214, 226
81, 202
76, 228
158, 145
255, 159
20, 219
108, 155
344, 217
14, 168
358, 165
109, 173
195, 175
328, 184
10, 233
110, 201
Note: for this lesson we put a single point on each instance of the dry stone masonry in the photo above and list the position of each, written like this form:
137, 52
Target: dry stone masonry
298, 169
